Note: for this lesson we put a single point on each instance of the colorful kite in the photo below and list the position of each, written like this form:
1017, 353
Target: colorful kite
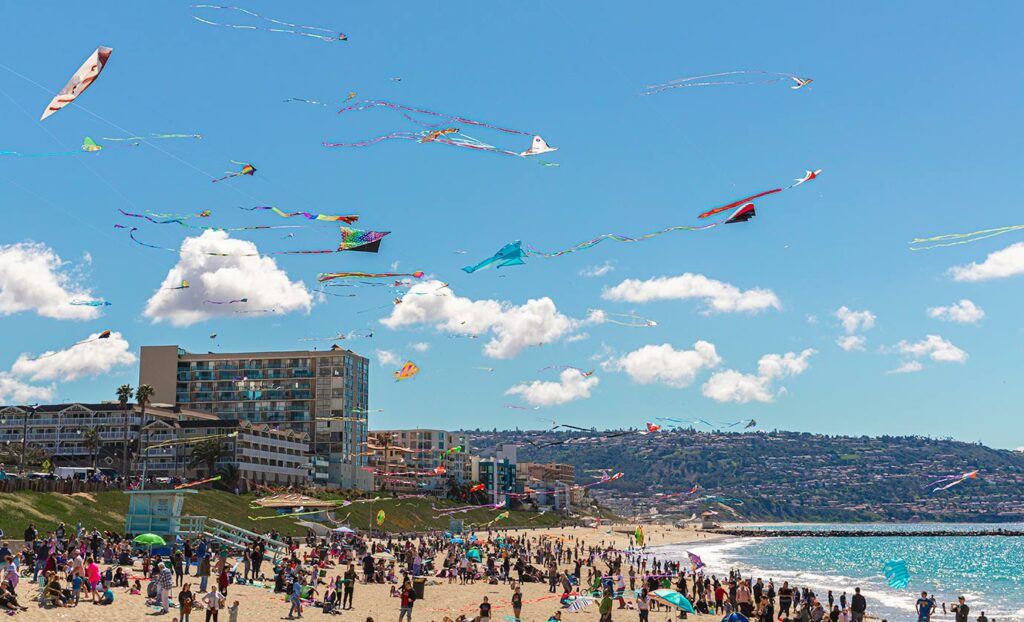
330, 276
807, 177
638, 535
585, 374
956, 239
408, 371
442, 132
179, 221
226, 302
952, 480
203, 214
101, 335
199, 483
342, 336
247, 169
295, 29
184, 285
652, 428
345, 219
88, 146
352, 240
896, 573
83, 79
510, 255
89, 303
380, 517
690, 82
154, 137
476, 488
695, 561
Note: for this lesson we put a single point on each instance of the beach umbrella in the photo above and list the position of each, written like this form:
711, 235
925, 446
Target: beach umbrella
579, 604
457, 540
150, 539
735, 617
673, 599
473, 554
385, 556
343, 530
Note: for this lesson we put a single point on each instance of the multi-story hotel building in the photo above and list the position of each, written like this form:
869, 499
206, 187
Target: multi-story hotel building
262, 454
421, 451
323, 394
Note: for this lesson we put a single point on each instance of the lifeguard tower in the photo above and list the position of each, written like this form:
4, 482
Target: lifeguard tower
155, 511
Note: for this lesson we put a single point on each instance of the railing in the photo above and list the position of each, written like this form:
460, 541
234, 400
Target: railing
60, 486
227, 533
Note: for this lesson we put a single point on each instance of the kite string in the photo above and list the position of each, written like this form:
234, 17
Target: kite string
372, 103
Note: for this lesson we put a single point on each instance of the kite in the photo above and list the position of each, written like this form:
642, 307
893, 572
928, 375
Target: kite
90, 303
247, 169
83, 79
441, 132
184, 285
226, 302
638, 535
88, 146
476, 488
952, 480
956, 239
896, 573
487, 369
345, 219
628, 319
695, 561
179, 221
305, 101
521, 407
203, 214
330, 276
808, 176
102, 335
342, 336
154, 137
408, 371
512, 254
352, 240
288, 514
296, 29
380, 517
722, 500
681, 83
202, 481
213, 335
652, 428
585, 374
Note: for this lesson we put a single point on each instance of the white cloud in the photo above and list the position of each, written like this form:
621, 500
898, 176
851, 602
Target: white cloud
394, 265
420, 346
220, 279
571, 386
962, 312
577, 337
854, 321
934, 347
512, 327
719, 297
14, 390
811, 318
998, 265
595, 271
732, 386
34, 278
910, 367
92, 357
666, 365
387, 358
851, 343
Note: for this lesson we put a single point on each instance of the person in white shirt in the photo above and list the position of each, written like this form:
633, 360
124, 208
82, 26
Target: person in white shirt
213, 601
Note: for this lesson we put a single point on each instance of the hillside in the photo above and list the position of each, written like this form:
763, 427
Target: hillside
786, 475
106, 511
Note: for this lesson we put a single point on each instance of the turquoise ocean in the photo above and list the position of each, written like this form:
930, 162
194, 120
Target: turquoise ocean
987, 570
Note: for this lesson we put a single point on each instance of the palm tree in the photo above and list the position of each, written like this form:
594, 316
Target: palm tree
124, 395
207, 453
142, 397
229, 476
92, 441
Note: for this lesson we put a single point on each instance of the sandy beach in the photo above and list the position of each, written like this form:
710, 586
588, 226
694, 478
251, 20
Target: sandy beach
374, 600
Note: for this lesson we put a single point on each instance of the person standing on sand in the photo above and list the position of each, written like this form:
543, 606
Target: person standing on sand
858, 605
961, 610
166, 582
350, 585
213, 600
606, 606
204, 572
925, 606
485, 611
407, 598
517, 603
643, 604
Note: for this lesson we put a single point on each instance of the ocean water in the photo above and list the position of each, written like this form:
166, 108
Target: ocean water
987, 570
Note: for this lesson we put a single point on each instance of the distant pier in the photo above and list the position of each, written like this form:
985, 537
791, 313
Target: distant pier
863, 533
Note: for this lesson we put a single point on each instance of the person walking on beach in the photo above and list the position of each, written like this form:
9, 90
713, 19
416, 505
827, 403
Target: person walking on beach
166, 582
517, 603
185, 601
605, 608
350, 586
858, 605
643, 604
485, 611
407, 599
296, 599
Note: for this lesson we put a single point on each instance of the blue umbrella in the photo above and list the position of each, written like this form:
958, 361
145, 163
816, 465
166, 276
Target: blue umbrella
674, 599
734, 617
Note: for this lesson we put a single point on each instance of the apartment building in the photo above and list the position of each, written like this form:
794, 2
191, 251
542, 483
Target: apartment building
552, 484
262, 454
404, 452
75, 434
323, 394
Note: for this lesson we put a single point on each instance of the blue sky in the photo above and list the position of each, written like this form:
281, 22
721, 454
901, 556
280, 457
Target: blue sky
912, 117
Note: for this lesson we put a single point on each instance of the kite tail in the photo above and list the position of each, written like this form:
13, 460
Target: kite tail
374, 141
961, 238
404, 110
